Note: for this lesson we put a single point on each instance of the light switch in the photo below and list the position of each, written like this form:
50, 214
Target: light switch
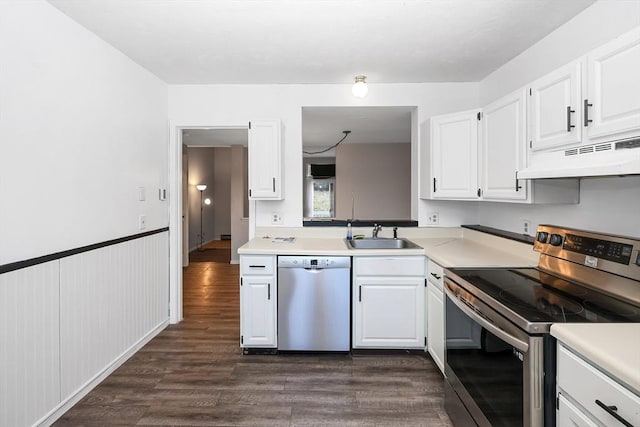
142, 194
142, 222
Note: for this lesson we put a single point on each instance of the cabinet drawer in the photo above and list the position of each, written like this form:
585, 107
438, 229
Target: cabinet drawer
436, 274
390, 266
586, 384
257, 264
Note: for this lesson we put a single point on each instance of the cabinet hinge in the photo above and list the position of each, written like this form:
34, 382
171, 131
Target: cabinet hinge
479, 115
557, 402
249, 125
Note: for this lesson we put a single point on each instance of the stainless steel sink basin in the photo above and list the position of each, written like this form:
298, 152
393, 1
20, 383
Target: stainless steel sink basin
382, 243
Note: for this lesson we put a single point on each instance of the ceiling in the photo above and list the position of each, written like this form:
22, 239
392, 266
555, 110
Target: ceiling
322, 126
321, 41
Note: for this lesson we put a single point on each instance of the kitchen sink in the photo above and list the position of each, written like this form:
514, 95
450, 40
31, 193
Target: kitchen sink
381, 243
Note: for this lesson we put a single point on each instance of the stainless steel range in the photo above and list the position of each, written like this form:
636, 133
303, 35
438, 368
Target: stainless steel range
500, 358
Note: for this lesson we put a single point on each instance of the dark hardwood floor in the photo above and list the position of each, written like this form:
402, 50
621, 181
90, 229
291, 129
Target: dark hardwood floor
194, 374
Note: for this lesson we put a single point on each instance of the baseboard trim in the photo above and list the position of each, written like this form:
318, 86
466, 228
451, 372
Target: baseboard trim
234, 261
74, 398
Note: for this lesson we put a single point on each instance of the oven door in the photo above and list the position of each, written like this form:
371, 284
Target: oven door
494, 368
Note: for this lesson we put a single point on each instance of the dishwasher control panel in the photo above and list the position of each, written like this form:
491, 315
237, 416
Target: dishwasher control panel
313, 262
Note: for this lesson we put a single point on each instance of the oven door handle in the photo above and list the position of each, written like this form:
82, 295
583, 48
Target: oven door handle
481, 319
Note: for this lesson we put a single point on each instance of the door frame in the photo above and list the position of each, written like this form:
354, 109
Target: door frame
175, 209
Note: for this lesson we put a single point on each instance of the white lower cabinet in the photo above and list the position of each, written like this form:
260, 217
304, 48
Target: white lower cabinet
258, 301
569, 415
388, 308
435, 313
589, 397
435, 324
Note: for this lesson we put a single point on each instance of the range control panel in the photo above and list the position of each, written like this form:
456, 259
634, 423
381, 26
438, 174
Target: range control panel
616, 254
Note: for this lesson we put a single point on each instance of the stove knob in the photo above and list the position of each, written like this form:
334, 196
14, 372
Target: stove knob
555, 240
543, 236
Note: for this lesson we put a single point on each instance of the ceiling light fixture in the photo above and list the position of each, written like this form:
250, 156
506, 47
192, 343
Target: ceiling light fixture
360, 88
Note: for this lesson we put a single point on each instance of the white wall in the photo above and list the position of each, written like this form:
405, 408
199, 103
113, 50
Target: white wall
608, 205
82, 127
236, 105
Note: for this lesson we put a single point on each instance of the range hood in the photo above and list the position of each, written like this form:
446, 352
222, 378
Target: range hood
605, 159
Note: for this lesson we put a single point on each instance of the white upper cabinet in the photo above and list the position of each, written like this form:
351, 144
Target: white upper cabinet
265, 160
555, 109
503, 148
453, 149
612, 103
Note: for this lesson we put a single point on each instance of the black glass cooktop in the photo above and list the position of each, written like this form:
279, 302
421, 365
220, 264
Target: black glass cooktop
541, 297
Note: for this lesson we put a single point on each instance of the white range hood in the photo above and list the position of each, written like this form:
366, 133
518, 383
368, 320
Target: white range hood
606, 159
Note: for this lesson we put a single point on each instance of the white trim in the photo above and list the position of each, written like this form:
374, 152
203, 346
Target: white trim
235, 261
175, 210
74, 398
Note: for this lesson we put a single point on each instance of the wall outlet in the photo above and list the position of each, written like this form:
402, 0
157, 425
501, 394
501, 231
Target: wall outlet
276, 218
433, 218
526, 226
142, 222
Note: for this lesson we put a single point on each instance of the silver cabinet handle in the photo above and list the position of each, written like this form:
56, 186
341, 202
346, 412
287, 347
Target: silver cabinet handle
274, 184
569, 125
585, 111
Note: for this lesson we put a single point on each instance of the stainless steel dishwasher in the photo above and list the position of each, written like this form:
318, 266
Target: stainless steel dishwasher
314, 303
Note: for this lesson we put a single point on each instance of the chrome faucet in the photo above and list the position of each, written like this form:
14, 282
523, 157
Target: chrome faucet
376, 230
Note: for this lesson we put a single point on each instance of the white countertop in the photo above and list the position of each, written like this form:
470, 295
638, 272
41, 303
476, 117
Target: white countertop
613, 347
466, 251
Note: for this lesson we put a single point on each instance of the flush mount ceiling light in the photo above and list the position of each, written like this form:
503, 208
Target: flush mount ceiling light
360, 88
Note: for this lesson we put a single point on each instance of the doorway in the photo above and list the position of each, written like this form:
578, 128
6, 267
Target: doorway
227, 201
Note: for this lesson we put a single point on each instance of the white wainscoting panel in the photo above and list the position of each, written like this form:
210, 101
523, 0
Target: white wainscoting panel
110, 299
29, 344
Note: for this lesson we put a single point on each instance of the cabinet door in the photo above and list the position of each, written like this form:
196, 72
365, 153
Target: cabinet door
389, 312
503, 145
555, 109
435, 324
570, 416
258, 311
614, 88
454, 156
265, 153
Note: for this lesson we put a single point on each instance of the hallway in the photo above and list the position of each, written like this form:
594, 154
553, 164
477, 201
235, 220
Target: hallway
194, 373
